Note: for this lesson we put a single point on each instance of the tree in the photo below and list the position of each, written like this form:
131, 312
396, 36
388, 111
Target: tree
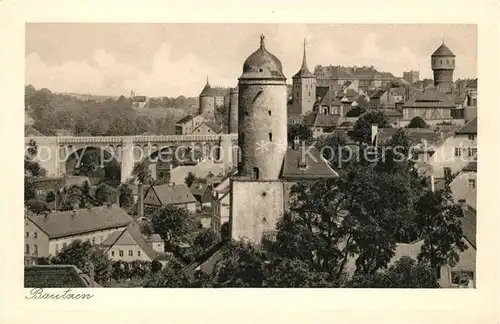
89, 163
335, 150
417, 122
86, 256
172, 224
439, 223
37, 206
190, 178
104, 194
156, 266
293, 273
404, 273
205, 239
225, 232
362, 127
51, 197
301, 131
29, 189
243, 265
142, 173
126, 195
31, 167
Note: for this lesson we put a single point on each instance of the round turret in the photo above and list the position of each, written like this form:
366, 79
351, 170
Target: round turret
443, 64
262, 116
207, 100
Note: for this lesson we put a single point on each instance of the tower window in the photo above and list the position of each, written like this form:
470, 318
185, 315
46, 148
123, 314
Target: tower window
256, 173
269, 112
270, 137
440, 61
309, 93
447, 61
261, 70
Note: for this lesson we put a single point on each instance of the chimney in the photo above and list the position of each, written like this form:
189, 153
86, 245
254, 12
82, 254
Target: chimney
432, 183
140, 200
374, 141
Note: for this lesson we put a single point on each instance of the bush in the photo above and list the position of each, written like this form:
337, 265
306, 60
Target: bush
417, 122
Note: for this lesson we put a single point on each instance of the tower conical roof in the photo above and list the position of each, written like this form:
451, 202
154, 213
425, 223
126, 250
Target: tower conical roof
443, 50
304, 71
207, 90
262, 64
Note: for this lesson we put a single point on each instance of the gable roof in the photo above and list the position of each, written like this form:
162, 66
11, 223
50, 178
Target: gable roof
470, 167
472, 84
184, 119
321, 91
443, 50
316, 167
469, 128
131, 235
173, 194
469, 224
417, 135
56, 276
213, 126
430, 98
68, 223
377, 94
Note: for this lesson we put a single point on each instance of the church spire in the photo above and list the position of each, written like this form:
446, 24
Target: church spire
304, 71
304, 58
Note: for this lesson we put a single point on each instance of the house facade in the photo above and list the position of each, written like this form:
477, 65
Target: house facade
431, 105
47, 234
464, 185
187, 124
178, 195
220, 205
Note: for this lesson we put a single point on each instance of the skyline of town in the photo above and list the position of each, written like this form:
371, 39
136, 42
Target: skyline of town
120, 57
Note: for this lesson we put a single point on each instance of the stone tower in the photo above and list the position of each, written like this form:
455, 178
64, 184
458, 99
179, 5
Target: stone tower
207, 100
443, 64
304, 89
233, 110
262, 116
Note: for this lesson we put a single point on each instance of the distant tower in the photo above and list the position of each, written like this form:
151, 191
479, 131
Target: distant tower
233, 110
132, 94
304, 89
443, 64
262, 116
207, 100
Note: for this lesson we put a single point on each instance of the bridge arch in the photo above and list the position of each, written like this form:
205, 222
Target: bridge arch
93, 161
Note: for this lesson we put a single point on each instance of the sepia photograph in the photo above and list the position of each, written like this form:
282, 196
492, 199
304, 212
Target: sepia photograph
204, 155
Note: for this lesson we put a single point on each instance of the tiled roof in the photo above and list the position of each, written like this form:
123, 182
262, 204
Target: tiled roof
207, 261
207, 91
326, 120
154, 238
349, 94
329, 98
198, 188
377, 94
213, 126
430, 98
472, 84
443, 50
469, 224
469, 128
315, 166
321, 91
67, 223
185, 119
56, 276
304, 71
130, 236
173, 194
417, 135
472, 166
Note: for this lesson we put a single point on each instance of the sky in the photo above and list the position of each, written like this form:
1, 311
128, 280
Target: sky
175, 59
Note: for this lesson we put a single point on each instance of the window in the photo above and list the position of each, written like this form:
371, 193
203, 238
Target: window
27, 234
309, 93
35, 235
471, 152
138, 253
269, 112
472, 137
35, 249
27, 249
158, 244
120, 253
198, 130
256, 173
270, 137
440, 61
447, 61
471, 183
112, 253
130, 253
209, 130
458, 151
